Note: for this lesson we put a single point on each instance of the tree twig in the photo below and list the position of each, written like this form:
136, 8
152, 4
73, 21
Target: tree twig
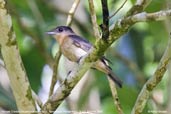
118, 9
72, 11
156, 16
37, 99
55, 72
105, 25
153, 81
115, 97
94, 19
139, 6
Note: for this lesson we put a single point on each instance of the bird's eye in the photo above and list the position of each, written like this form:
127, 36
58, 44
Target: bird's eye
60, 29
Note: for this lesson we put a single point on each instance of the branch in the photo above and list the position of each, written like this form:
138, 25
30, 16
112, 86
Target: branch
55, 72
115, 97
16, 71
139, 6
72, 11
65, 88
94, 19
153, 81
105, 25
118, 9
156, 16
37, 99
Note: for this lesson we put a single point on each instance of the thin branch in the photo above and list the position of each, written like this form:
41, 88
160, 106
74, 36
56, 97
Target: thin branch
139, 6
72, 11
94, 19
37, 99
153, 81
115, 97
55, 72
105, 24
156, 16
143, 3
118, 9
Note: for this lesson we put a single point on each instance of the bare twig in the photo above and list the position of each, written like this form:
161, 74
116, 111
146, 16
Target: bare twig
115, 97
93, 19
105, 24
72, 11
139, 6
55, 72
37, 99
169, 89
153, 81
156, 16
118, 9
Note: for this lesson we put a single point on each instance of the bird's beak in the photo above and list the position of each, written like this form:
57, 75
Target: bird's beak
51, 33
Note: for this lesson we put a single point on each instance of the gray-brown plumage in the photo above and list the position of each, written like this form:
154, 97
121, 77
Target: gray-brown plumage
74, 47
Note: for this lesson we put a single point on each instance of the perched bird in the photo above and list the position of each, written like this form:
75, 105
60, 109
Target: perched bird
74, 47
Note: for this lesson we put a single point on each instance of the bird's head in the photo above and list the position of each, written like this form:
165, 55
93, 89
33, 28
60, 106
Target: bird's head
60, 32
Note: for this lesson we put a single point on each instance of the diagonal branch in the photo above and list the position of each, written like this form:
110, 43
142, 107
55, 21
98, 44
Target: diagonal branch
94, 19
153, 81
156, 16
118, 9
139, 6
72, 11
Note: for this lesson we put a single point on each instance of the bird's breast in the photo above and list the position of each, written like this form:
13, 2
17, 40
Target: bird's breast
71, 51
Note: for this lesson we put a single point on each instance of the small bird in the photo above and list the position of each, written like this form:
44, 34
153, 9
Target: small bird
73, 47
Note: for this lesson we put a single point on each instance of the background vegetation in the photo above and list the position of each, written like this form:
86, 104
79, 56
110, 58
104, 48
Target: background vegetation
134, 57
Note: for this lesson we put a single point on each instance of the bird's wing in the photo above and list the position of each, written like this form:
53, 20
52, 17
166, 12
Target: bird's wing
81, 42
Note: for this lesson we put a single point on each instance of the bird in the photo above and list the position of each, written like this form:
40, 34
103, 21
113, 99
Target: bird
74, 47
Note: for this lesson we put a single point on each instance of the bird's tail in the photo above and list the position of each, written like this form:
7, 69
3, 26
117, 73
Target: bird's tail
103, 66
113, 76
